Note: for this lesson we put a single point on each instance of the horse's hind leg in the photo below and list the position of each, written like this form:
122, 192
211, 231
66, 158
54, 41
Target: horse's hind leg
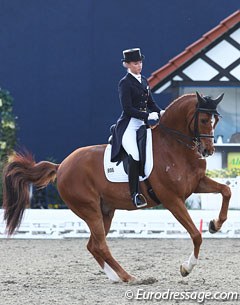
99, 225
107, 220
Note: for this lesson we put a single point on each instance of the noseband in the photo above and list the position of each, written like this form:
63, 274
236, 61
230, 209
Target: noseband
195, 141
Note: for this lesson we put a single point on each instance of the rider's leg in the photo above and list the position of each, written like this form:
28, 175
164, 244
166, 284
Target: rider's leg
129, 143
133, 176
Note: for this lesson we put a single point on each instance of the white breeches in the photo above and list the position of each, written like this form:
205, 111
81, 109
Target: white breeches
129, 139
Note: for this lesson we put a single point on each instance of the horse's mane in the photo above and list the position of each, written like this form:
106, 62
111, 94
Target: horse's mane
178, 102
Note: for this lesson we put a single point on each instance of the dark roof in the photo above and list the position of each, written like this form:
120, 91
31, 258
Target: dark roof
176, 62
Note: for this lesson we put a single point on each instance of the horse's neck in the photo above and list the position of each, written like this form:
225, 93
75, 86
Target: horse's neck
175, 122
174, 132
171, 149
175, 116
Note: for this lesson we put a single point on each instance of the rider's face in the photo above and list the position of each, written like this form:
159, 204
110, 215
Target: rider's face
135, 67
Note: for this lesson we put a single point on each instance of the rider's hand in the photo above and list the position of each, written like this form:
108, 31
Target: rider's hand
153, 116
153, 119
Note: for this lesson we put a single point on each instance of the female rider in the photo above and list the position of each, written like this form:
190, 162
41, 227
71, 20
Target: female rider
138, 108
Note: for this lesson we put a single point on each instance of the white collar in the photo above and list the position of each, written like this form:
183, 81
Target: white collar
137, 76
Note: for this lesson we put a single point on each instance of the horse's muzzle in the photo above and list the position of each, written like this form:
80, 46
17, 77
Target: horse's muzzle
206, 151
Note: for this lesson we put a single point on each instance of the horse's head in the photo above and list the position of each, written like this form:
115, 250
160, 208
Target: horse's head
191, 120
203, 123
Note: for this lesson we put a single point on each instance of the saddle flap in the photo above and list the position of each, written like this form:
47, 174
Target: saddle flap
115, 172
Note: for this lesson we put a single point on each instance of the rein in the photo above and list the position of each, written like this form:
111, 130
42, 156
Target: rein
196, 139
178, 133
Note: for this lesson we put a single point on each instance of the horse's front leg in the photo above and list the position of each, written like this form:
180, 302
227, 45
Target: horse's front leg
177, 207
207, 185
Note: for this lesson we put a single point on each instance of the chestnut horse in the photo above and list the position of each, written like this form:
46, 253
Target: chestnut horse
181, 142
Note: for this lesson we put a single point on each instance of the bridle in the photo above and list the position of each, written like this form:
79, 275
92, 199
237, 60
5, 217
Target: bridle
194, 141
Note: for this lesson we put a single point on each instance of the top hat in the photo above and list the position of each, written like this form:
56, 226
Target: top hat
132, 55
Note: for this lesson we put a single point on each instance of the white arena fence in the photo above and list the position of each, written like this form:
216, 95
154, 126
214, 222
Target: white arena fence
59, 224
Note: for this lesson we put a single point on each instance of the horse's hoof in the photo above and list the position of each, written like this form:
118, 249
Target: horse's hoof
131, 280
212, 228
183, 271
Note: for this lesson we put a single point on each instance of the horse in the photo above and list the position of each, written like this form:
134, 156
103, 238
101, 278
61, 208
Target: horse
181, 142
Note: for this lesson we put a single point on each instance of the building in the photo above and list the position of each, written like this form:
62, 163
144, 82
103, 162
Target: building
211, 66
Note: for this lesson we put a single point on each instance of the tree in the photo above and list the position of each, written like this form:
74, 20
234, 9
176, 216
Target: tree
8, 129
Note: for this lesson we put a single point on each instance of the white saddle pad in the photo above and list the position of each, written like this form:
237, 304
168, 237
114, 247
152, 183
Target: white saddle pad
116, 173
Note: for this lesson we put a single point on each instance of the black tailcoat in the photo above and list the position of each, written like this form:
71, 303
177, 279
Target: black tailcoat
134, 98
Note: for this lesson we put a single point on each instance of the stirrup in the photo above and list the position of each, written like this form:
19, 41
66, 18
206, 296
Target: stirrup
139, 200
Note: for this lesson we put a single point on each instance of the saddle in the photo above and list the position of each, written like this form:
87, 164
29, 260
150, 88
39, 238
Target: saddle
141, 143
118, 171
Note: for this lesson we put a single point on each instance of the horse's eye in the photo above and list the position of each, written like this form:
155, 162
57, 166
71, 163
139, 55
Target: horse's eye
204, 121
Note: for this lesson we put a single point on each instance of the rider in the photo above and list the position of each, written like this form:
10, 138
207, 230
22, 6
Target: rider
138, 108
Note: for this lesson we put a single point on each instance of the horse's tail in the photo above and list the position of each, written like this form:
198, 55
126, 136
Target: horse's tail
18, 174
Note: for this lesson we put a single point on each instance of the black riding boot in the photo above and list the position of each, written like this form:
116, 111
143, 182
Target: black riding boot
133, 176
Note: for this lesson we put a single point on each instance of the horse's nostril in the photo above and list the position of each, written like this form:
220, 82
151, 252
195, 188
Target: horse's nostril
206, 153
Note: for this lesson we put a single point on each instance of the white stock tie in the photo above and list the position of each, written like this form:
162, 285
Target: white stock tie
139, 78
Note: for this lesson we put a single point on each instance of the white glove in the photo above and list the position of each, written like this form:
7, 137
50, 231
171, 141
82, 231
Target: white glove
153, 116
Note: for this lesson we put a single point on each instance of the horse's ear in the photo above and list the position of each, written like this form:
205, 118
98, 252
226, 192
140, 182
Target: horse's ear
218, 99
200, 98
